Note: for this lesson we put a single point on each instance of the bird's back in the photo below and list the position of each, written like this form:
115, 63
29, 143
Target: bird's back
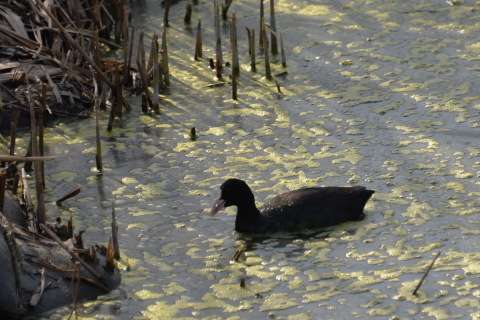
311, 208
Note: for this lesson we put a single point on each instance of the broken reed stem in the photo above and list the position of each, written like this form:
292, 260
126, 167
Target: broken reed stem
116, 246
426, 273
82, 51
218, 43
118, 20
238, 253
41, 218
251, 48
70, 228
144, 103
13, 131
142, 71
52, 235
188, 14
225, 8
125, 46
68, 196
156, 74
16, 180
235, 63
9, 158
149, 67
110, 257
41, 111
74, 44
74, 288
100, 89
3, 181
165, 69
198, 43
37, 295
262, 25
278, 87
98, 154
234, 86
273, 25
253, 62
268, 72
113, 110
126, 74
118, 90
234, 44
167, 10
282, 52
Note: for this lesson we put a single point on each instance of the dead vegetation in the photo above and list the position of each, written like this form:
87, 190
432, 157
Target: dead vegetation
48, 45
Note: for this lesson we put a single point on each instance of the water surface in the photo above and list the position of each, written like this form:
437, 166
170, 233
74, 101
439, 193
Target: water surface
378, 93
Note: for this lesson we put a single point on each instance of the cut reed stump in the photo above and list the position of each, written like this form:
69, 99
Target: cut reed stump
198, 42
273, 26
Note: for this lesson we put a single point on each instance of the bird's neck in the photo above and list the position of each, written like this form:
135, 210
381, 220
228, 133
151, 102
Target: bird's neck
247, 214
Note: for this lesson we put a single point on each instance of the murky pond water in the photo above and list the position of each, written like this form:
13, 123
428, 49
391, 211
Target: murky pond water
378, 93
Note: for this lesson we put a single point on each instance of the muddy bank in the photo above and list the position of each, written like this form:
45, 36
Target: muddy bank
40, 272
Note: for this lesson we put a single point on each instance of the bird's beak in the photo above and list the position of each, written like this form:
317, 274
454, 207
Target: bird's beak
219, 204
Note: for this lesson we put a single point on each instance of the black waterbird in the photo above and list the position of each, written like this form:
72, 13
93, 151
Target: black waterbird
306, 208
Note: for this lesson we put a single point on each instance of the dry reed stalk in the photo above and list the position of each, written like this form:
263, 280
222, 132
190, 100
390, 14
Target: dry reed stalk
52, 235
142, 71
188, 14
144, 103
165, 68
118, 91
234, 44
167, 10
16, 180
110, 257
99, 87
198, 42
74, 288
41, 110
425, 274
70, 228
13, 131
268, 73
9, 158
126, 70
127, 76
235, 63
282, 51
41, 218
156, 74
262, 25
118, 19
218, 41
80, 49
238, 253
78, 19
3, 181
251, 48
113, 111
273, 25
98, 154
116, 246
225, 8
278, 87
234, 86
37, 295
68, 196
